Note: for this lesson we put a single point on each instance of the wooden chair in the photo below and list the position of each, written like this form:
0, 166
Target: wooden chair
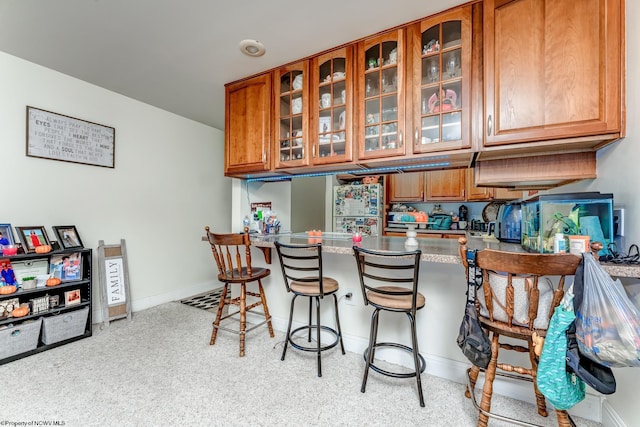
389, 282
303, 277
232, 253
515, 269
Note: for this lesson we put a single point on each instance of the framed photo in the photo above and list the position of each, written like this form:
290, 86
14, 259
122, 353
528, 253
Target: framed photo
31, 237
66, 267
68, 236
72, 297
58, 137
6, 236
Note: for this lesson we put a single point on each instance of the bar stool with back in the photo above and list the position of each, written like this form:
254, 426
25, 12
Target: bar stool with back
232, 253
380, 274
508, 280
304, 277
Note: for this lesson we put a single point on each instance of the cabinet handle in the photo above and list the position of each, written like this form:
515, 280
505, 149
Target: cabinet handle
313, 151
400, 139
264, 157
415, 137
489, 125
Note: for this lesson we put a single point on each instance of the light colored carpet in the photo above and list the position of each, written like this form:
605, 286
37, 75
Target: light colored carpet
159, 370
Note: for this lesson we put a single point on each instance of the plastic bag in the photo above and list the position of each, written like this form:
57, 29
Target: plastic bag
607, 322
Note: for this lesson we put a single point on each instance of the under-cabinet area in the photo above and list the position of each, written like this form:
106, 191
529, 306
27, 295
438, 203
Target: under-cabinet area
449, 91
48, 303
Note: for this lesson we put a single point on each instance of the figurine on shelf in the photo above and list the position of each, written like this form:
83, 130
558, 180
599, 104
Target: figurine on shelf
432, 46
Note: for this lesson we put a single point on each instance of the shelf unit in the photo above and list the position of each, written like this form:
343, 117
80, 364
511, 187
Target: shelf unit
8, 323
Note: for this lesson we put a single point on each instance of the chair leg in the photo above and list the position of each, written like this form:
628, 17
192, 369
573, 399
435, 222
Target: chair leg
473, 378
287, 337
335, 303
267, 315
371, 349
564, 420
541, 403
416, 362
216, 322
487, 389
310, 319
318, 330
243, 316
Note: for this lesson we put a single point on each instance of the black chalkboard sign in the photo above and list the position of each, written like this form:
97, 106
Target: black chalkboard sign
58, 137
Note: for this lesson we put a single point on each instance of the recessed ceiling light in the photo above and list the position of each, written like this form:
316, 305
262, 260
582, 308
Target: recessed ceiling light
252, 47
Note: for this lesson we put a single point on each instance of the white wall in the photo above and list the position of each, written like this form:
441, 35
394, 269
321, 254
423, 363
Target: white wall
167, 183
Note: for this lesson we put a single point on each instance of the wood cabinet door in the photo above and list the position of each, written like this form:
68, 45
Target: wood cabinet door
552, 69
381, 96
445, 185
248, 126
406, 187
331, 121
291, 116
440, 76
477, 193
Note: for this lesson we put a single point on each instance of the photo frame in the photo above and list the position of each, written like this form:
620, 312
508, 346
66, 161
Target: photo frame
32, 236
72, 297
66, 267
67, 236
58, 137
6, 234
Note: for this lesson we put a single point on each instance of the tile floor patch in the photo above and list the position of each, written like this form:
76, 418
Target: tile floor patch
205, 301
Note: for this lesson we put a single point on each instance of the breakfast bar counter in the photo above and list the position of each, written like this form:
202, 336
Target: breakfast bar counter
433, 250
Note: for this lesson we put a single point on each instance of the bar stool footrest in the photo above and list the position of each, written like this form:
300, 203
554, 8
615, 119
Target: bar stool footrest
403, 347
315, 348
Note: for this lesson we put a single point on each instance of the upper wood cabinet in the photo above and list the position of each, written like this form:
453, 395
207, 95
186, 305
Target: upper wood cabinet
406, 187
488, 193
332, 107
248, 126
552, 69
291, 102
439, 77
381, 96
445, 185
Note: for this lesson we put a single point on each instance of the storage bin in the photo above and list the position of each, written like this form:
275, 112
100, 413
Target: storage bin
64, 326
20, 338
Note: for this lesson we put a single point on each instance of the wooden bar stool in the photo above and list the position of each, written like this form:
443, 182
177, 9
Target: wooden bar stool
232, 253
380, 274
508, 280
303, 277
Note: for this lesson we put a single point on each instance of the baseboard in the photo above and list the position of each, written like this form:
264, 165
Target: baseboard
610, 417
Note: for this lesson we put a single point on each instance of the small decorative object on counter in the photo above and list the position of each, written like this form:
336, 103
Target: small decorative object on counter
357, 237
559, 244
411, 236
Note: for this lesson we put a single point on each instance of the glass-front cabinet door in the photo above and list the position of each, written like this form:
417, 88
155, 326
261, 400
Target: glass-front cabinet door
381, 96
441, 81
292, 116
332, 95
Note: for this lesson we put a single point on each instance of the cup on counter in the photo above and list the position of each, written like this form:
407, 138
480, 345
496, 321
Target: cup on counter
462, 225
356, 237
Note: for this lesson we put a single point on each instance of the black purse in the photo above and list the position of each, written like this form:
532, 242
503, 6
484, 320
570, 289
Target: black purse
472, 339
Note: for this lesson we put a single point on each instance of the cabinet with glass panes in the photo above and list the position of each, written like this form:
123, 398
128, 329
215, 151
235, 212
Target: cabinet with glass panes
332, 94
381, 96
292, 115
441, 81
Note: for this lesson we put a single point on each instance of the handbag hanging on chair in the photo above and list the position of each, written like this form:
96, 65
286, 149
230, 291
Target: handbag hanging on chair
472, 339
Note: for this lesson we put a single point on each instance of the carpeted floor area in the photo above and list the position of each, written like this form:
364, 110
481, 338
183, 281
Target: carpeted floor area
158, 369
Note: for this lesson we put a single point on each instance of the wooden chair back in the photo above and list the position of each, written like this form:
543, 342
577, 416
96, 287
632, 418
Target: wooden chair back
232, 253
520, 269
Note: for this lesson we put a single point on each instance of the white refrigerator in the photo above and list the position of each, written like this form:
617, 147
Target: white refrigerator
358, 208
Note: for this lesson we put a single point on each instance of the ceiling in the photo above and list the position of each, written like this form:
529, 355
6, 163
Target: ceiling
177, 55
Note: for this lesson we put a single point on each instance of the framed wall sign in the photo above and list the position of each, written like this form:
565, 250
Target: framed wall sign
114, 281
58, 137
